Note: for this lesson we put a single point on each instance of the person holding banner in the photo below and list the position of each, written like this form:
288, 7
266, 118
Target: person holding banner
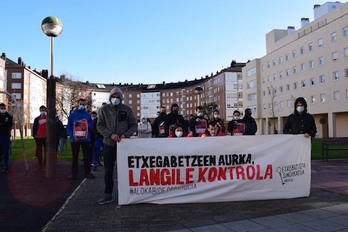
79, 126
172, 118
212, 130
177, 131
300, 121
235, 126
158, 125
198, 124
116, 121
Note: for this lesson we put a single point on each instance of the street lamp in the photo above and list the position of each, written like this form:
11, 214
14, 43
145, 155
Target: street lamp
52, 27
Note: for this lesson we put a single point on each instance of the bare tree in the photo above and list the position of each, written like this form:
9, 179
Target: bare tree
72, 90
272, 93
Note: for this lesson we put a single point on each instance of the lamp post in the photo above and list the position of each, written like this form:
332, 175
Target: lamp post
52, 27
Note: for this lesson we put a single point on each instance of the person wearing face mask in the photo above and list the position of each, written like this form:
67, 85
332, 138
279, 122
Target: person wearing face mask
172, 118
212, 130
219, 121
300, 121
6, 121
177, 131
198, 124
235, 126
144, 128
249, 122
79, 126
39, 134
97, 142
116, 121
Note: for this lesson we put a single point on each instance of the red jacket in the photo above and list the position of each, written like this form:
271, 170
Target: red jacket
206, 134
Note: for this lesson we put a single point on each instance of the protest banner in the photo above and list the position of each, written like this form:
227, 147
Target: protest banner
213, 169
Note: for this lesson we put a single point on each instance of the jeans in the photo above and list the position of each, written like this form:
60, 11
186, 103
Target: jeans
5, 146
40, 142
86, 151
63, 142
98, 143
109, 154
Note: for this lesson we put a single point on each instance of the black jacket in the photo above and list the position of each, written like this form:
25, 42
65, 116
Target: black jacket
231, 125
172, 119
5, 124
156, 124
300, 124
250, 125
193, 123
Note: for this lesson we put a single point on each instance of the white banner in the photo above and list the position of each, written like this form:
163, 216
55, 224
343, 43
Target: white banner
213, 169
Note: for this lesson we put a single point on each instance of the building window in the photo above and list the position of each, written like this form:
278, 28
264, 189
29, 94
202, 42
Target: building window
274, 77
16, 86
138, 95
287, 57
16, 75
335, 76
346, 52
130, 102
345, 31
295, 85
263, 80
289, 103
281, 89
280, 60
312, 81
322, 79
312, 99
321, 60
294, 55
303, 83
346, 72
302, 50
334, 37
303, 67
322, 97
334, 56
268, 65
130, 95
310, 47
280, 75
320, 42
264, 93
17, 96
295, 70
274, 63
336, 95
288, 87
311, 64
287, 72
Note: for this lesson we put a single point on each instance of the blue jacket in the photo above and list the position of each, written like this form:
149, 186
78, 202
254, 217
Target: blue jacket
76, 116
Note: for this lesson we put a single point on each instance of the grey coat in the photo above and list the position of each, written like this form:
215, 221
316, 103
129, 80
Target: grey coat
118, 120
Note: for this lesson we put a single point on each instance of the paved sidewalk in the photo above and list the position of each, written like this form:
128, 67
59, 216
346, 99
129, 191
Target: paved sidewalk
325, 210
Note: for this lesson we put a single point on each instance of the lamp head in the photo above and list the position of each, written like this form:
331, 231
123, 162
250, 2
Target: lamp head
52, 26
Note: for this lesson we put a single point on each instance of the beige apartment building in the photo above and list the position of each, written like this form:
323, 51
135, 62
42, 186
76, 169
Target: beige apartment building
310, 62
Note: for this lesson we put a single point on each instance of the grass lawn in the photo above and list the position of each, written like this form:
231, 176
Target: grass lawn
17, 151
29, 144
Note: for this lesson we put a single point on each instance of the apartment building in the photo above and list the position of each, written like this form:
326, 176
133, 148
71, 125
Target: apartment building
2, 80
310, 62
29, 89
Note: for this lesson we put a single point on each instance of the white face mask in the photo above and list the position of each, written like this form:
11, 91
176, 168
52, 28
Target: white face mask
300, 109
178, 133
236, 117
43, 113
115, 101
216, 116
81, 107
199, 114
3, 111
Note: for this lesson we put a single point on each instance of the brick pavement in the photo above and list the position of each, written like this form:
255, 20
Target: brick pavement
325, 210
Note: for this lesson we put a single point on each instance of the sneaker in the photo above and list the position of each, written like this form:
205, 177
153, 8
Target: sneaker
72, 177
90, 176
108, 198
